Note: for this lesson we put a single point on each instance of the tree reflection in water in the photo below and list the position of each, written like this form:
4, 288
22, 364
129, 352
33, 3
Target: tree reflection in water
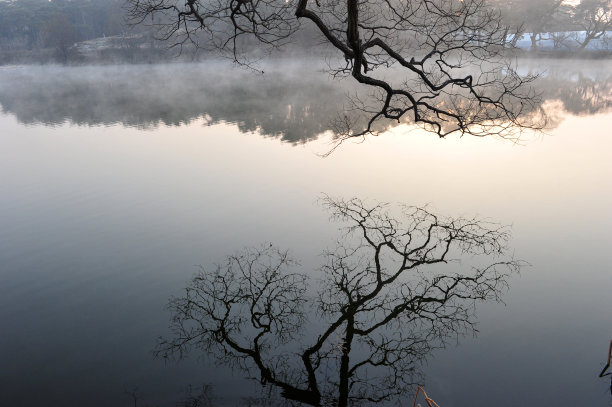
389, 293
292, 103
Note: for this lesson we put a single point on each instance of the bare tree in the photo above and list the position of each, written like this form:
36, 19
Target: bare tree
388, 294
436, 63
594, 17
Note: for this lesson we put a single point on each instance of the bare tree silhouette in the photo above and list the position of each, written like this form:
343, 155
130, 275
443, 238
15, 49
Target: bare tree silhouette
594, 17
382, 304
437, 63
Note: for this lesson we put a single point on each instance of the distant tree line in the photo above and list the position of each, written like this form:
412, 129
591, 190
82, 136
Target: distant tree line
30, 26
51, 28
570, 26
33, 24
42, 30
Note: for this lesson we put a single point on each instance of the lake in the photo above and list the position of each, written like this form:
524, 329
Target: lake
118, 181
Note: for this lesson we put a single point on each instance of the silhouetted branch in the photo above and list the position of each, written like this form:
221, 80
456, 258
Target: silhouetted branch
436, 63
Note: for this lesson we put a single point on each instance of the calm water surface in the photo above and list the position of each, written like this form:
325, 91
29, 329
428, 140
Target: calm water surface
116, 182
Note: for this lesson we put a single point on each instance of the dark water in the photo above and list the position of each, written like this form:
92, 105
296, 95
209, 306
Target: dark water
117, 181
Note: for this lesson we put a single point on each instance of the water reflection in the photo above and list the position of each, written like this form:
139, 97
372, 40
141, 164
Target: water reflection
293, 104
604, 371
579, 93
102, 225
384, 302
281, 104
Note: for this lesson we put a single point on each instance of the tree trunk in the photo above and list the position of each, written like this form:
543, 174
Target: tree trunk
344, 363
534, 41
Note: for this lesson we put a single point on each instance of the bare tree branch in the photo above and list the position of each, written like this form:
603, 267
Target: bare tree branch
436, 63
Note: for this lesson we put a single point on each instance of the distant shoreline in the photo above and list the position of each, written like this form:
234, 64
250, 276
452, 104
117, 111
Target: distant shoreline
142, 49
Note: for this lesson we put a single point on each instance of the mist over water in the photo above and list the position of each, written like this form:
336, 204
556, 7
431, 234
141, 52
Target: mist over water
293, 101
116, 181
294, 104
